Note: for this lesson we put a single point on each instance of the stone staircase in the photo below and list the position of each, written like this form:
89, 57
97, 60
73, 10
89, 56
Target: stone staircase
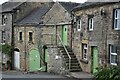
75, 66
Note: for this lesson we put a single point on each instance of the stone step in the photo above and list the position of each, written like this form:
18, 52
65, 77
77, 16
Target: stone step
72, 56
75, 70
72, 61
74, 67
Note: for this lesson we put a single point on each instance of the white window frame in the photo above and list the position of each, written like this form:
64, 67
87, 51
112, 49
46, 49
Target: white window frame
90, 24
84, 47
78, 24
117, 19
112, 53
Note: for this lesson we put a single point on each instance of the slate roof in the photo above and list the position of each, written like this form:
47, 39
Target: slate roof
9, 6
35, 16
90, 5
69, 5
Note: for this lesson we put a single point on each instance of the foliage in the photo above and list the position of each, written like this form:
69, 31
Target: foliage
109, 73
7, 49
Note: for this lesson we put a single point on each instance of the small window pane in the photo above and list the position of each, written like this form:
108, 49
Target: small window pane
113, 59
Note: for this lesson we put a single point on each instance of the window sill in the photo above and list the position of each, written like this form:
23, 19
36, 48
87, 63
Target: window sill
84, 61
114, 64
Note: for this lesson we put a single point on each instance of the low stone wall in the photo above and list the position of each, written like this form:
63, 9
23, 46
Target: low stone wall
55, 61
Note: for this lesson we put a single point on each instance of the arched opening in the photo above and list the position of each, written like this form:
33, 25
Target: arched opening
16, 49
16, 58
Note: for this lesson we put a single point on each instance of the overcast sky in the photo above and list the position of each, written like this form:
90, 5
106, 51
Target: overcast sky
79, 1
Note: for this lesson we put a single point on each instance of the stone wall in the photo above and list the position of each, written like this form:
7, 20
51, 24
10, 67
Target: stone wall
55, 61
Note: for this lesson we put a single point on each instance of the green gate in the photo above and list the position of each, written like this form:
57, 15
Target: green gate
34, 63
64, 35
95, 59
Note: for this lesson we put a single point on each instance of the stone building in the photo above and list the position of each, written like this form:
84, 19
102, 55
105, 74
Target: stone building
27, 38
10, 13
96, 37
56, 34
39, 36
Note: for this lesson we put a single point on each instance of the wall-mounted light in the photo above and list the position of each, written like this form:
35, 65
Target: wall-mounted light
103, 12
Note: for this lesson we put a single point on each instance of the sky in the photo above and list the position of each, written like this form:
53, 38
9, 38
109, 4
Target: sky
78, 1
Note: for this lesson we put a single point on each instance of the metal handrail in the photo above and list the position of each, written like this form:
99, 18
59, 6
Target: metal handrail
65, 50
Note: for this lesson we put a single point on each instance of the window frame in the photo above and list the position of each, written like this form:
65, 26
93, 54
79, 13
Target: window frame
30, 39
20, 36
90, 23
113, 54
116, 19
79, 23
4, 19
84, 55
3, 37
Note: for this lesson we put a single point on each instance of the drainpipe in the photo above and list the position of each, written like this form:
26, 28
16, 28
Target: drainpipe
12, 42
104, 35
25, 45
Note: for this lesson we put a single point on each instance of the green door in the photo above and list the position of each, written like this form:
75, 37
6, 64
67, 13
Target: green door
95, 59
34, 63
64, 35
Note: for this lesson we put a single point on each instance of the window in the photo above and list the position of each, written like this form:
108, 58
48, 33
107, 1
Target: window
117, 19
113, 55
78, 24
90, 24
20, 35
4, 19
3, 36
30, 36
84, 51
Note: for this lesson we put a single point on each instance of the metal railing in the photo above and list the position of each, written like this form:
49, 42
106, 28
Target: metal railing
65, 50
53, 43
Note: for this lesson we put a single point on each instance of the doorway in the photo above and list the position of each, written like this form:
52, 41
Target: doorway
94, 59
64, 34
34, 58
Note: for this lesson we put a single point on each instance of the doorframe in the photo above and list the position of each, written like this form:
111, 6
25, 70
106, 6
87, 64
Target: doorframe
92, 47
29, 57
17, 50
64, 26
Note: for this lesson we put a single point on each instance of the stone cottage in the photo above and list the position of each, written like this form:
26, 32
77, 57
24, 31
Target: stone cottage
96, 37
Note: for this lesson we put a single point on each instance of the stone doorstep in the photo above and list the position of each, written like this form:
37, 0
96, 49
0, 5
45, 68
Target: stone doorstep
80, 75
